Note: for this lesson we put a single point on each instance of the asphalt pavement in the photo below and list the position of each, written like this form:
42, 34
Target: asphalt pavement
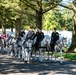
14, 66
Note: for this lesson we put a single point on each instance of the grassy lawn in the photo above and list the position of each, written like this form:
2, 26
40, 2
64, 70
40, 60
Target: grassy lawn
68, 56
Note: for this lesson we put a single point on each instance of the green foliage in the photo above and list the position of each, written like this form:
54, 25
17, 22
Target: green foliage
26, 9
58, 18
70, 56
51, 20
66, 56
7, 12
28, 21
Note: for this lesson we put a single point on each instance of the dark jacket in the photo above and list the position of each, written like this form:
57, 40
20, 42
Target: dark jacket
39, 35
54, 36
21, 33
30, 34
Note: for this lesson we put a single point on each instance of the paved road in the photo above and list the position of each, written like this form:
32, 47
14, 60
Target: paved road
14, 66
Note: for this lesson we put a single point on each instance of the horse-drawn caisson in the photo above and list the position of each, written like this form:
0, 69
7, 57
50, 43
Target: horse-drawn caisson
38, 47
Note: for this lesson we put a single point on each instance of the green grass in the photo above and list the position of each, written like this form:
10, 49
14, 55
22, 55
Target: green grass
70, 56
66, 56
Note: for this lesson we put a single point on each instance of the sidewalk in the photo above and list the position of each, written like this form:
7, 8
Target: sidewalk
14, 66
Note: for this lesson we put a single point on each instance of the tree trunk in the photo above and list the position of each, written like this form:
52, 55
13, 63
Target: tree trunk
73, 44
3, 32
3, 26
11, 29
39, 18
17, 26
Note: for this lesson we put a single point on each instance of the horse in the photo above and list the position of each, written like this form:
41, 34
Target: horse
19, 51
30, 48
27, 49
23, 48
10, 45
45, 45
57, 48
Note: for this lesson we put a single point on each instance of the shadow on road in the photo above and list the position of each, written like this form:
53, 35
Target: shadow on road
14, 65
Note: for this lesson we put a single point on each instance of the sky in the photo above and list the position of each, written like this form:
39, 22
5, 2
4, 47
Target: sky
66, 2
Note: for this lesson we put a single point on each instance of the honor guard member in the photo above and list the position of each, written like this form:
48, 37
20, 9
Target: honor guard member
30, 34
39, 37
54, 38
22, 32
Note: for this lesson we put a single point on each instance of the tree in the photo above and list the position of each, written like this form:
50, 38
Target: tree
59, 18
11, 17
73, 44
72, 48
67, 19
51, 20
39, 7
6, 15
2, 19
